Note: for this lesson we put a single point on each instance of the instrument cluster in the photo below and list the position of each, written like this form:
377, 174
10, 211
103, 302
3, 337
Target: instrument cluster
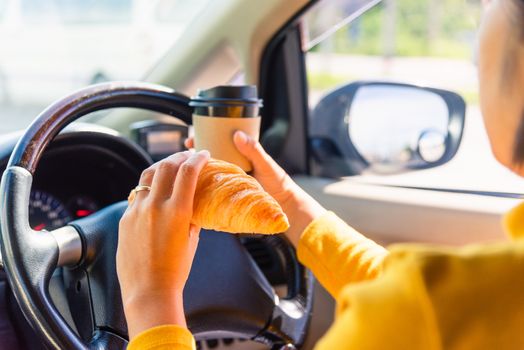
47, 212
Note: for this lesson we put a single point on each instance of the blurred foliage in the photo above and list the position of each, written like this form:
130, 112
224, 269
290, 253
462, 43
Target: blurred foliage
326, 81
443, 28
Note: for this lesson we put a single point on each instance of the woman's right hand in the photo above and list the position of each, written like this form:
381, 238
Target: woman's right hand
299, 207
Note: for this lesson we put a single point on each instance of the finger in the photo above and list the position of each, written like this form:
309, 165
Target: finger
146, 179
253, 151
189, 142
186, 181
131, 197
165, 174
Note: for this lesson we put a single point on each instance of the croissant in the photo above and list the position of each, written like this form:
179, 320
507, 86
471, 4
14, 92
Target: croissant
227, 199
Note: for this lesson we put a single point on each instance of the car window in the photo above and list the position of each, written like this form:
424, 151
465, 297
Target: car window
51, 48
76, 12
424, 42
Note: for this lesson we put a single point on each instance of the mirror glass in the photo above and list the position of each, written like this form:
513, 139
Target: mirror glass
395, 127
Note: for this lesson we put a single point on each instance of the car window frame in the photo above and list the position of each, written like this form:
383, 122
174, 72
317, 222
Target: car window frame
283, 87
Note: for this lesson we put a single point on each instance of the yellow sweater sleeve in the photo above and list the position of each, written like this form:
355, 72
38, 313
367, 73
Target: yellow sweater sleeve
337, 254
391, 312
167, 337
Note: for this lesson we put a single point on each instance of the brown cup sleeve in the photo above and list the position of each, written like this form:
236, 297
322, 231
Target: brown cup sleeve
215, 134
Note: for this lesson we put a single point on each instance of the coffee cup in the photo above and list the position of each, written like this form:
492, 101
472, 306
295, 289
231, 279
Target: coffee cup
219, 112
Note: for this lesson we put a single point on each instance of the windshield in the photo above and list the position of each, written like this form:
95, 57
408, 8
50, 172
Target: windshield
52, 47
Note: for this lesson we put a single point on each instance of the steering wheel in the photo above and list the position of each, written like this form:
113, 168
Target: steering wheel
227, 295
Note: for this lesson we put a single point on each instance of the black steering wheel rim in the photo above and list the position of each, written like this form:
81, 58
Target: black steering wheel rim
30, 258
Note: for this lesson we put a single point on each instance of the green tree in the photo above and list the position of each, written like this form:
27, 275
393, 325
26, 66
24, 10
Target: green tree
444, 28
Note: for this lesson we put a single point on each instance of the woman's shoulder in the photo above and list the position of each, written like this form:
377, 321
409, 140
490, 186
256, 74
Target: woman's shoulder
469, 295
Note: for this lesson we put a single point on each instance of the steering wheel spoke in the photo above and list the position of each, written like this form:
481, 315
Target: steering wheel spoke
69, 245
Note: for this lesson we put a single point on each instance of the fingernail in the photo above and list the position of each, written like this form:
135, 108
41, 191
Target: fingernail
241, 136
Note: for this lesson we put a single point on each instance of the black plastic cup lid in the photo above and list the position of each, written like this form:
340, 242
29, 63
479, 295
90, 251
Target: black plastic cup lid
227, 96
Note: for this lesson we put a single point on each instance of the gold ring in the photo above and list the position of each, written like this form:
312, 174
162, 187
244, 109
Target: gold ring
135, 190
142, 188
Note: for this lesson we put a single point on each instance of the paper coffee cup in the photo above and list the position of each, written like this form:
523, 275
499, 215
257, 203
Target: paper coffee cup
216, 136
219, 112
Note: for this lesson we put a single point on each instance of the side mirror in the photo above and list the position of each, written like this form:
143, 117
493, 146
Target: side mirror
385, 128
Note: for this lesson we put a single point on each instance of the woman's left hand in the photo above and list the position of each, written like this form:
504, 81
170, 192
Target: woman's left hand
157, 243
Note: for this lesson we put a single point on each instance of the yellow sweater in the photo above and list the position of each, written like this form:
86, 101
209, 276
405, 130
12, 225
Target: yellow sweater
418, 297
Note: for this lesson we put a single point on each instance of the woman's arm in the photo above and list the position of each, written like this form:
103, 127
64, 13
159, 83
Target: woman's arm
391, 312
337, 254
157, 244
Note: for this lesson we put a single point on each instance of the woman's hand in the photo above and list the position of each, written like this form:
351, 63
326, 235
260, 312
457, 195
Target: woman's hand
157, 243
299, 207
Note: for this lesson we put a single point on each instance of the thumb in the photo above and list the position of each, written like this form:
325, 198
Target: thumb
250, 148
265, 169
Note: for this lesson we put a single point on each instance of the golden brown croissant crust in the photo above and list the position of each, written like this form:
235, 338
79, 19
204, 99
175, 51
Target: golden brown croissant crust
227, 199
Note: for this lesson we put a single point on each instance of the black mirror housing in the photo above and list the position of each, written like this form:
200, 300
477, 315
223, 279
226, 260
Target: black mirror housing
385, 128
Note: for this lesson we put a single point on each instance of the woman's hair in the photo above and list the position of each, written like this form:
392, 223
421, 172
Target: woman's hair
520, 10
518, 17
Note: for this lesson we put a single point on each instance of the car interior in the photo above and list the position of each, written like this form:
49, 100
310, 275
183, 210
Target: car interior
67, 175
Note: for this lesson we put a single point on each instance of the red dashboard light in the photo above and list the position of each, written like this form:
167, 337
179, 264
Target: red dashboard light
83, 212
39, 227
